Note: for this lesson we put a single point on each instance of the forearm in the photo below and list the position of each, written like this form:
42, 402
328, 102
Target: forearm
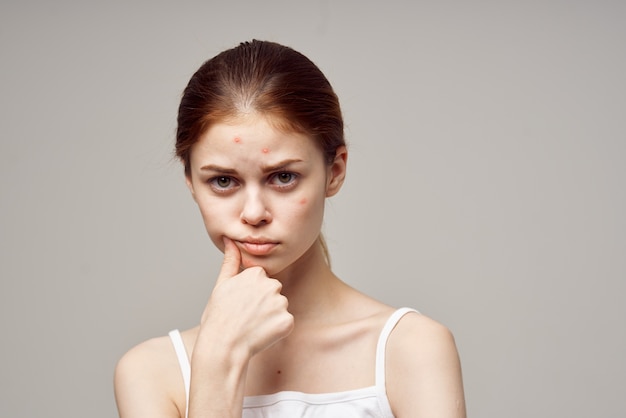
218, 376
246, 313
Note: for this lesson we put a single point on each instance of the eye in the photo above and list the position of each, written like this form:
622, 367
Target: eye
284, 179
222, 184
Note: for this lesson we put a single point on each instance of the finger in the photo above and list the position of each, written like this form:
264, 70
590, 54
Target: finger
232, 261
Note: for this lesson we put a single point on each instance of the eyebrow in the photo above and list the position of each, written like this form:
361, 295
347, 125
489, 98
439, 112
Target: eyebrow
267, 168
217, 168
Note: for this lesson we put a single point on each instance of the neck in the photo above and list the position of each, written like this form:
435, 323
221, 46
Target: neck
310, 286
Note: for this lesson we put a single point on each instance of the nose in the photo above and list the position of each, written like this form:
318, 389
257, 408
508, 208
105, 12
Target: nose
255, 211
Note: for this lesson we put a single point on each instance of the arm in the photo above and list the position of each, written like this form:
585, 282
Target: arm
245, 314
148, 382
145, 381
217, 382
424, 371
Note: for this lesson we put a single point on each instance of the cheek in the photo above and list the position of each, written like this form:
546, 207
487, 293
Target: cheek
308, 210
301, 213
216, 215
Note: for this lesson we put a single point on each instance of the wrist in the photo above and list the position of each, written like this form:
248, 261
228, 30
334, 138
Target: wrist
212, 348
218, 375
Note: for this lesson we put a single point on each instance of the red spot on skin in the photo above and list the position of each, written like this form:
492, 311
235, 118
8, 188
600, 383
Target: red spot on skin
278, 372
237, 139
265, 150
303, 201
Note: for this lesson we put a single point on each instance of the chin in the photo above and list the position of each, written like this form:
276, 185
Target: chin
265, 264
273, 268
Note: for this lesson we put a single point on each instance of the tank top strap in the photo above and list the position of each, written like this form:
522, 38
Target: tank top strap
183, 361
382, 344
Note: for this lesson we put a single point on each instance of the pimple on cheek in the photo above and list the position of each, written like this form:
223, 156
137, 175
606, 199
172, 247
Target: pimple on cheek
236, 140
265, 150
303, 201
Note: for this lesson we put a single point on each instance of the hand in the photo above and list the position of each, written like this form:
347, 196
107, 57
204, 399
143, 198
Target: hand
246, 307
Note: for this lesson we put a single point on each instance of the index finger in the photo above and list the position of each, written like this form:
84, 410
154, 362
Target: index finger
232, 261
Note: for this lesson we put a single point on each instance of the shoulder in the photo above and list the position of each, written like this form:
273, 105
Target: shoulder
417, 333
423, 369
148, 380
146, 358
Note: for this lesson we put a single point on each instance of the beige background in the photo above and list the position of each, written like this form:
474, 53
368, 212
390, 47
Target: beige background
486, 186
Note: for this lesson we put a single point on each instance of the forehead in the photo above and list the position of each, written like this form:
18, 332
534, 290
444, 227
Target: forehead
252, 139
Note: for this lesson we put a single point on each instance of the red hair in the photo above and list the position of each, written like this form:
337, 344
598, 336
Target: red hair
264, 78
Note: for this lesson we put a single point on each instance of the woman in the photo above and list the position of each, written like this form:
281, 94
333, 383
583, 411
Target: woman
260, 135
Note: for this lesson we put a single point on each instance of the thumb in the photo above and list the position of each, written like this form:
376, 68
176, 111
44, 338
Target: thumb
231, 265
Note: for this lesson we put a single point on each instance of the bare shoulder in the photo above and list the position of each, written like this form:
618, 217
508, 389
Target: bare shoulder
148, 381
418, 334
423, 370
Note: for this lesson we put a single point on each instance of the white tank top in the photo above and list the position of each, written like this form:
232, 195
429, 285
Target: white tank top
369, 402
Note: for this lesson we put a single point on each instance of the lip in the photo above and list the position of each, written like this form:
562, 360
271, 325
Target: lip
257, 246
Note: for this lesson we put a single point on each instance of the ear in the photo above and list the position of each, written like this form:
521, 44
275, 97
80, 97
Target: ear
190, 186
337, 171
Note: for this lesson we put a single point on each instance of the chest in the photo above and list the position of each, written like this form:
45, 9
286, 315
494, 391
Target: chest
334, 359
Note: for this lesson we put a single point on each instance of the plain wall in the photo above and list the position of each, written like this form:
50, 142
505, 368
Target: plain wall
486, 186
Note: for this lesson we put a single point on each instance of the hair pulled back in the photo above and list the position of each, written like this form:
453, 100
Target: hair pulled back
264, 78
